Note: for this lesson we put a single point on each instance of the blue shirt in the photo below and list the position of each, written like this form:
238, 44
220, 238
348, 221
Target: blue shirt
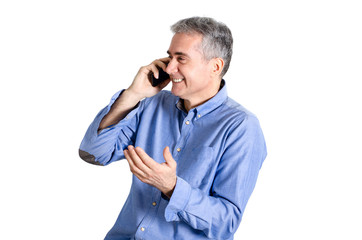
219, 148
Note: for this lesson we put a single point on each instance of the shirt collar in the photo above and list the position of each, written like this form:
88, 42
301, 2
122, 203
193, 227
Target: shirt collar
210, 105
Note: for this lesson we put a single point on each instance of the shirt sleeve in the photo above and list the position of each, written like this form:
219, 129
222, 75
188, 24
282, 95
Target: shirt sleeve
106, 146
218, 213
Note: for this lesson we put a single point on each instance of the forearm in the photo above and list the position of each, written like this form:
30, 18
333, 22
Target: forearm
106, 146
140, 88
232, 186
124, 104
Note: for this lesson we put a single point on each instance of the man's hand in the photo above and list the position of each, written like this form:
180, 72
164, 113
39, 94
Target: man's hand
140, 88
162, 176
141, 85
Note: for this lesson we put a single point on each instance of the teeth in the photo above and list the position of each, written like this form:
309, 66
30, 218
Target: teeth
177, 80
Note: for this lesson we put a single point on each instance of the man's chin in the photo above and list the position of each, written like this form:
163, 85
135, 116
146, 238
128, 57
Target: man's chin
176, 89
176, 93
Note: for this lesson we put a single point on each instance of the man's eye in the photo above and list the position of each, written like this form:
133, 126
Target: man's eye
181, 59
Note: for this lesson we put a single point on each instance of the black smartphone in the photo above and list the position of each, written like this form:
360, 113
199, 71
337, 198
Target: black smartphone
162, 76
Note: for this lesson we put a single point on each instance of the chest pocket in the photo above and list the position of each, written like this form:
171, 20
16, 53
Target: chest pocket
197, 166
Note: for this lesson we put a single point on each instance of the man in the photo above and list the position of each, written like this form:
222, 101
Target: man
194, 153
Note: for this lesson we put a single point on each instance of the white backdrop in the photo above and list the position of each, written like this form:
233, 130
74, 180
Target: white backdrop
296, 65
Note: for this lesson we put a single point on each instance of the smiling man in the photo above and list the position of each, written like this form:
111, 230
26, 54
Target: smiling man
195, 154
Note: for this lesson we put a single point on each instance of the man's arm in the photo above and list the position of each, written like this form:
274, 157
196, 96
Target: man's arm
218, 212
103, 144
124, 104
162, 176
139, 89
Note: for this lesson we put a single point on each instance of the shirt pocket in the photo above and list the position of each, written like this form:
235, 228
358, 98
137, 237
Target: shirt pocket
197, 166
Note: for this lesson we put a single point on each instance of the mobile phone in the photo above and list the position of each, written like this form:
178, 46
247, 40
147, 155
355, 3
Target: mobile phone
162, 76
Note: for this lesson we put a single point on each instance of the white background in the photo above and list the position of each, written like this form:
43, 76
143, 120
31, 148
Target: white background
296, 65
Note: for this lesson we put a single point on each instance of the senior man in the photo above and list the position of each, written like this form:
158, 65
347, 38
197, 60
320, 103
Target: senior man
195, 153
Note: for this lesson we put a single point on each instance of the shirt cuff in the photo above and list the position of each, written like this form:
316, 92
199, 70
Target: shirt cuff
178, 200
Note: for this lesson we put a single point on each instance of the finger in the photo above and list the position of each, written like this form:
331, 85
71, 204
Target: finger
154, 70
137, 161
162, 62
161, 65
147, 160
168, 157
129, 160
134, 169
165, 59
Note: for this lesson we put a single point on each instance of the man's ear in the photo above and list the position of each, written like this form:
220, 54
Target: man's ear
217, 66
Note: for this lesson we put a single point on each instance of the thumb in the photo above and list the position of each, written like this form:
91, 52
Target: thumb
168, 157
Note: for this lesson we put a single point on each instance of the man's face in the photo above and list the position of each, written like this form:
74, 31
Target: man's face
189, 71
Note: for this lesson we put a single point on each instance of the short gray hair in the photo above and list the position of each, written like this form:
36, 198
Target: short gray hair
217, 40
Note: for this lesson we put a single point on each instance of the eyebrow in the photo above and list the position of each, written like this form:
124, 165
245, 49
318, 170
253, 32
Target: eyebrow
178, 53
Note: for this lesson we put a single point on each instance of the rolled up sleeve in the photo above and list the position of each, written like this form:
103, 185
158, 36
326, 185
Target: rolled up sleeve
106, 146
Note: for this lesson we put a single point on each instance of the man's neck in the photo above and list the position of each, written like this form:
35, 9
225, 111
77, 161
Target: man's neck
192, 103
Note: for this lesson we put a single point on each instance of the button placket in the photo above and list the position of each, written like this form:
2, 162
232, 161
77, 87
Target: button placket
185, 132
146, 223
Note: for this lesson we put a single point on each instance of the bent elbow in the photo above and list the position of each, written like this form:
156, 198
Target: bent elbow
89, 158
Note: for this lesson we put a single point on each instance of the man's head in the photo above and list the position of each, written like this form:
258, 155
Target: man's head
200, 53
217, 40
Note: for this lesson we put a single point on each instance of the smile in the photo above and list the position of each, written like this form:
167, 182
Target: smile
177, 80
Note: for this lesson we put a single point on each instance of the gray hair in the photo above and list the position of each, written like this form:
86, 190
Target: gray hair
217, 40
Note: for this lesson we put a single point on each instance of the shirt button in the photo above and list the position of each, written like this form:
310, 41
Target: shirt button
187, 122
178, 149
154, 204
142, 229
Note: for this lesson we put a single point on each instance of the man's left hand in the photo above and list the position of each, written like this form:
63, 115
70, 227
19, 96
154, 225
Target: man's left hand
160, 175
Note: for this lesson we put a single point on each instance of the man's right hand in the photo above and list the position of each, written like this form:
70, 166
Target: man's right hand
141, 86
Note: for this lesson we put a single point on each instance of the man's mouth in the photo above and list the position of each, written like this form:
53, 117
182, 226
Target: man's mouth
177, 80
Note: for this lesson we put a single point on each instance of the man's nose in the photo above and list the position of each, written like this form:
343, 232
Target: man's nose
172, 67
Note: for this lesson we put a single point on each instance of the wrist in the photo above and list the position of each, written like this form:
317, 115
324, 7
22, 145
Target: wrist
168, 192
132, 96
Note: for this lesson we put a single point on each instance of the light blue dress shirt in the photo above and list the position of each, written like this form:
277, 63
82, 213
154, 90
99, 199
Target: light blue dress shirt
219, 149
